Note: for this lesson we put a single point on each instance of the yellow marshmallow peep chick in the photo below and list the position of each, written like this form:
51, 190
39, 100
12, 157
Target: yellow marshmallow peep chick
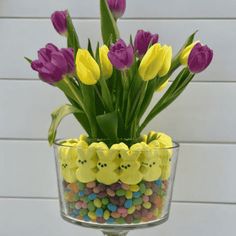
86, 163
130, 164
108, 164
67, 160
151, 163
165, 153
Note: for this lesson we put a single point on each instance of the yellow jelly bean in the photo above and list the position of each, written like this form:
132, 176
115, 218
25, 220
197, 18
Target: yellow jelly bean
148, 192
129, 195
156, 213
147, 205
106, 215
131, 210
92, 215
97, 202
134, 188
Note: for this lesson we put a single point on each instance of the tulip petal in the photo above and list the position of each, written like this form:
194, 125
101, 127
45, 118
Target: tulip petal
166, 61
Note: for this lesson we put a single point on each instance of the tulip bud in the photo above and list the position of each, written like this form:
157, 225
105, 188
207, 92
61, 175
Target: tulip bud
117, 7
156, 61
163, 86
185, 53
52, 64
59, 22
106, 66
121, 56
86, 67
199, 58
143, 40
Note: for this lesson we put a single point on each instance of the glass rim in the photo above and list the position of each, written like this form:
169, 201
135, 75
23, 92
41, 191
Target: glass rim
57, 143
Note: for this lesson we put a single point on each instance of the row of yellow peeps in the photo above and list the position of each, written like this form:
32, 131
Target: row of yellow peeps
86, 163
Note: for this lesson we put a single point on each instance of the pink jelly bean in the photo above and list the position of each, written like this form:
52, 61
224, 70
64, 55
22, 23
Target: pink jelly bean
124, 214
78, 205
122, 210
145, 198
149, 215
84, 205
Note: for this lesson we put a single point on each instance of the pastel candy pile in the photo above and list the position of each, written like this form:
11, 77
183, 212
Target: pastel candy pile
118, 203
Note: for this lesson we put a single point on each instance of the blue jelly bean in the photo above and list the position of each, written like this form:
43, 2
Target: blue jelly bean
137, 194
81, 193
86, 218
112, 207
128, 203
110, 220
158, 182
92, 196
99, 212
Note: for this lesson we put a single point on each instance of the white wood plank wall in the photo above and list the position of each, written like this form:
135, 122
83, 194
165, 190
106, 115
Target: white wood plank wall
202, 119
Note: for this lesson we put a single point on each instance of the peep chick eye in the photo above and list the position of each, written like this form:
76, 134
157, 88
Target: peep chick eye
128, 165
154, 163
105, 165
85, 161
99, 163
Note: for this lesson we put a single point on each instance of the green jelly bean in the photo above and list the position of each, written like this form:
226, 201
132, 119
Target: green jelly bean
105, 201
120, 192
84, 199
120, 220
136, 221
81, 186
137, 201
83, 212
91, 206
142, 188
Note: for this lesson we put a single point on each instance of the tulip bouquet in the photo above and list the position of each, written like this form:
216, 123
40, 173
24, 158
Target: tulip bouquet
110, 87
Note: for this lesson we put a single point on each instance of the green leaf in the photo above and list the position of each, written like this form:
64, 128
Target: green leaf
90, 49
57, 117
171, 94
72, 38
187, 43
29, 60
106, 95
108, 124
108, 25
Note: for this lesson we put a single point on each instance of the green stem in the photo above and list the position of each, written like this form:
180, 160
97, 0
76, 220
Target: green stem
107, 98
72, 91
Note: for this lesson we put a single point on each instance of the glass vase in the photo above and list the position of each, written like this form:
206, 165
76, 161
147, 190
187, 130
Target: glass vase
118, 195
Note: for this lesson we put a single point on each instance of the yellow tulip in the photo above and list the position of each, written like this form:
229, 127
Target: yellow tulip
166, 60
156, 61
185, 53
87, 68
106, 66
163, 86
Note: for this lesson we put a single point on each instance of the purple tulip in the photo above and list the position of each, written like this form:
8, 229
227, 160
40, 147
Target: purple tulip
120, 55
143, 40
199, 58
117, 7
59, 22
53, 64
